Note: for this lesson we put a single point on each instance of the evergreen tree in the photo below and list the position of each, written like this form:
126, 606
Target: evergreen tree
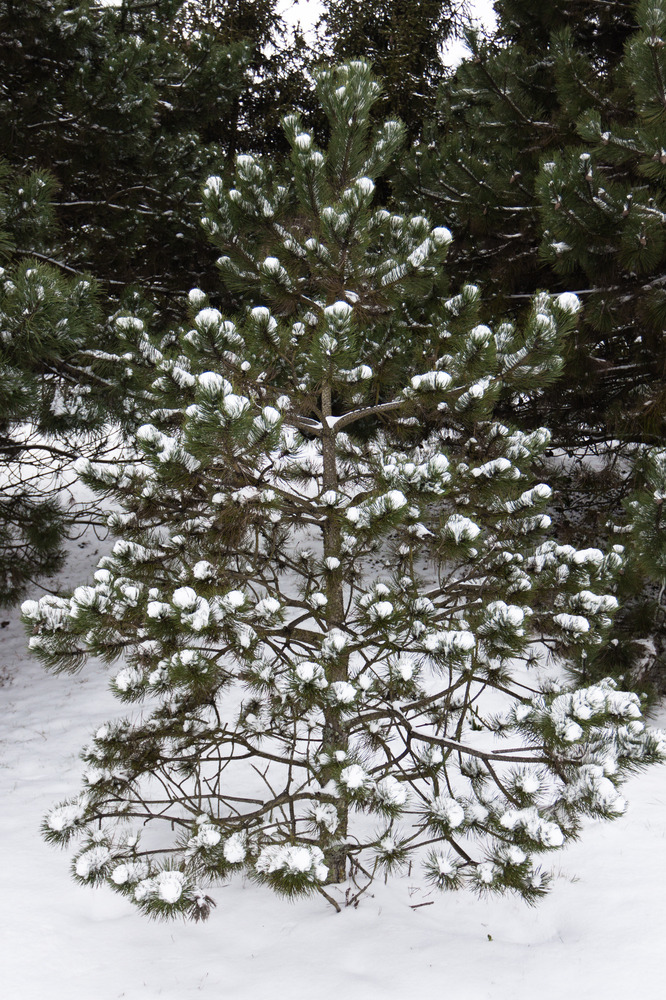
551, 72
110, 118
273, 82
128, 117
129, 108
309, 714
545, 163
602, 205
600, 30
61, 394
404, 43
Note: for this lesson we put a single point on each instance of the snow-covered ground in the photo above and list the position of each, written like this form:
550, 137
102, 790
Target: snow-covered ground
598, 935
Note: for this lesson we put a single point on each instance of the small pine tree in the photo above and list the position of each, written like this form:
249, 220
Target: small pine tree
332, 622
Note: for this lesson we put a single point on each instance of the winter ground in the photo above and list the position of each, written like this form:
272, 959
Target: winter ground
598, 935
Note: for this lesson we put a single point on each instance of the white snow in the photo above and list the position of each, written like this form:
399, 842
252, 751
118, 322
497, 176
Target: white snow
208, 318
203, 570
128, 678
539, 829
340, 311
462, 528
431, 381
124, 873
441, 234
446, 863
267, 607
365, 185
572, 623
326, 815
63, 817
167, 885
208, 836
343, 692
234, 599
444, 808
354, 776
92, 860
586, 939
294, 858
214, 383
391, 791
486, 872
380, 610
234, 849
184, 598
568, 302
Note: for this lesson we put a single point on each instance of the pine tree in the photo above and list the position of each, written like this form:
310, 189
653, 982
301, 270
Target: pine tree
600, 30
275, 62
329, 618
110, 118
61, 395
95, 96
511, 141
544, 162
403, 41
43, 317
602, 207
129, 108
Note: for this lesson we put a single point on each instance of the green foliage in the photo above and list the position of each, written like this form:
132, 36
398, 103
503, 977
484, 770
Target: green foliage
403, 43
576, 176
273, 80
332, 633
599, 30
127, 117
60, 394
545, 161
110, 117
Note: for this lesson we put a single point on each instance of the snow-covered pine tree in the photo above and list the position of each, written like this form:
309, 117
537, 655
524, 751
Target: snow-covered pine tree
332, 624
55, 398
110, 118
572, 197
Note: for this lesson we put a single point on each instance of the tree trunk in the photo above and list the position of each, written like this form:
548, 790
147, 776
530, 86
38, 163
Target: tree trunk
334, 736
